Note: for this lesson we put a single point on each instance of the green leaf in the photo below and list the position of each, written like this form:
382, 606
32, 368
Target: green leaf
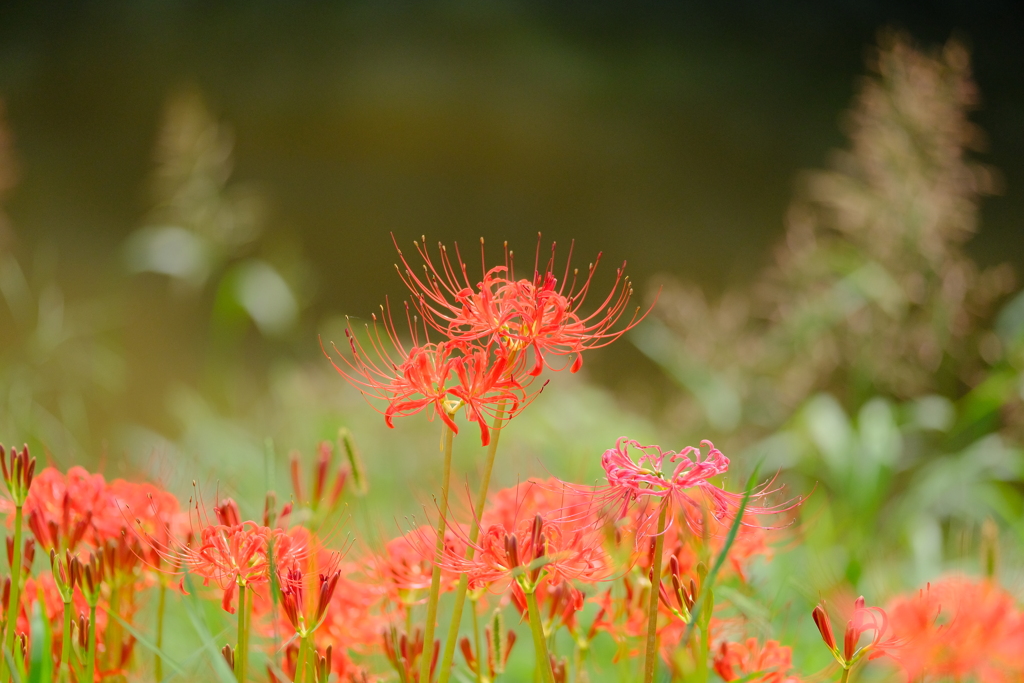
151, 646
706, 599
193, 609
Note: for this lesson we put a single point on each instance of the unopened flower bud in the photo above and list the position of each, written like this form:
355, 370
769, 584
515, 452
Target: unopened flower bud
821, 620
850, 641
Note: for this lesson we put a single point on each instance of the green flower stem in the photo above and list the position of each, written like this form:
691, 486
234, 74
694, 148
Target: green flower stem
651, 660
302, 661
474, 533
242, 650
65, 647
12, 608
112, 639
90, 658
705, 652
846, 675
476, 642
161, 604
435, 576
540, 644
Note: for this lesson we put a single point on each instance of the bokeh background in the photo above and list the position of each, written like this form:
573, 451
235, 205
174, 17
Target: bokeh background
193, 194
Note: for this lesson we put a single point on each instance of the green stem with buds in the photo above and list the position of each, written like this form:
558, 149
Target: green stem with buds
540, 643
435, 576
651, 660
474, 533
12, 608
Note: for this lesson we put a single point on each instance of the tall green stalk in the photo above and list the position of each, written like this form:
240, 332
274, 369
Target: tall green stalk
12, 607
435, 576
474, 533
90, 657
540, 644
302, 661
161, 604
476, 644
242, 649
651, 660
65, 646
112, 639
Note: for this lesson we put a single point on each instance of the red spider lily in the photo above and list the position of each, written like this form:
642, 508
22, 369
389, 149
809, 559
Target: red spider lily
538, 315
686, 487
134, 506
533, 551
440, 378
864, 619
60, 508
403, 569
751, 661
65, 512
238, 556
959, 629
553, 499
485, 387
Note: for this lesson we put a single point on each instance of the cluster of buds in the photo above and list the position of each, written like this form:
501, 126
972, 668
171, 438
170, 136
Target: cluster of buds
18, 473
323, 496
528, 575
320, 667
293, 602
559, 605
67, 574
405, 654
28, 555
499, 641
681, 597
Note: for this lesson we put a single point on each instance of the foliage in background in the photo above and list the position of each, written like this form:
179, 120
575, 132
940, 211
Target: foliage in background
865, 358
60, 364
868, 361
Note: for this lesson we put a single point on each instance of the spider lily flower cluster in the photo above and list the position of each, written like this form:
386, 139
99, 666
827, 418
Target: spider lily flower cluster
636, 563
496, 337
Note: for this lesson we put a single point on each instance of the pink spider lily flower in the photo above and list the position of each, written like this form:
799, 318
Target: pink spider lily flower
528, 317
681, 480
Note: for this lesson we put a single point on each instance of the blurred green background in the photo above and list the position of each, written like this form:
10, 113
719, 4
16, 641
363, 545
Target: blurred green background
191, 194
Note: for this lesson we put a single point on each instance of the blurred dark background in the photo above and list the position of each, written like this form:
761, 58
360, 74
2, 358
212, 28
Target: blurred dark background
665, 134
